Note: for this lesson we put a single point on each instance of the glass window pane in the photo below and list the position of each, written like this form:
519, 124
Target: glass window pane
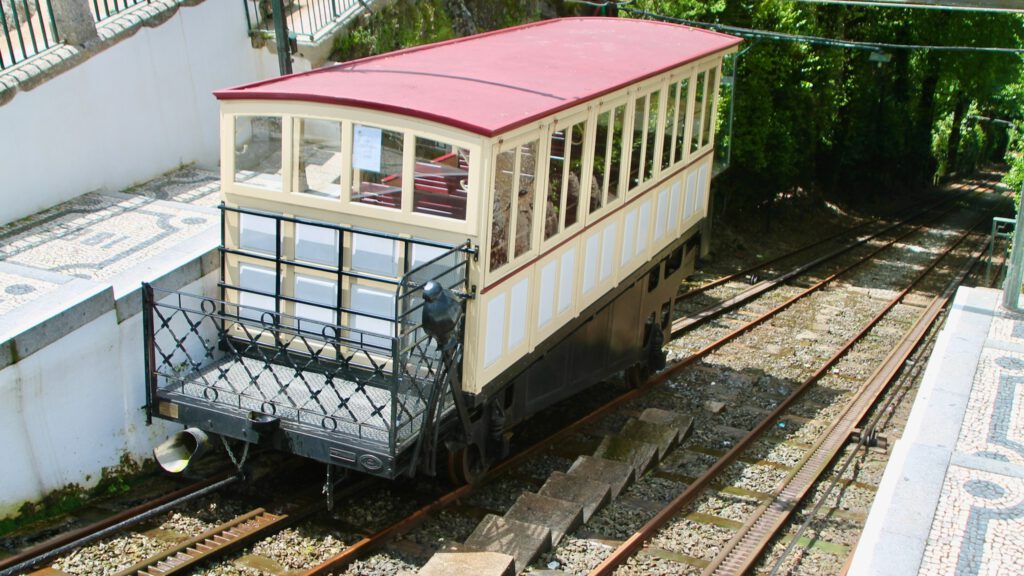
377, 166
635, 156
577, 137
527, 187
597, 183
652, 134
316, 244
670, 124
376, 301
259, 279
709, 101
698, 110
556, 180
684, 97
258, 151
257, 233
615, 158
374, 255
315, 291
319, 157
503, 178
442, 179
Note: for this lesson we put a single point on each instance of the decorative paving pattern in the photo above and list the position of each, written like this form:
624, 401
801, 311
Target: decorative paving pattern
993, 424
978, 526
1006, 329
97, 236
189, 185
16, 290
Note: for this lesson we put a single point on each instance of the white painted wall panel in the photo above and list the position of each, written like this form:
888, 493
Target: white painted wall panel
673, 208
610, 237
518, 312
591, 254
494, 337
567, 280
628, 238
661, 216
643, 228
547, 293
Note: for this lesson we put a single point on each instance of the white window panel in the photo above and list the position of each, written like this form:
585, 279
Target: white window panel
547, 294
567, 280
643, 228
374, 255
317, 291
494, 344
673, 209
517, 313
628, 237
691, 195
702, 190
421, 254
590, 263
257, 233
661, 218
610, 235
316, 244
252, 277
375, 301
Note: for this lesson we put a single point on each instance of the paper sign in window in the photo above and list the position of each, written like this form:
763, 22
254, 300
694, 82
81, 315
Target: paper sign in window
366, 148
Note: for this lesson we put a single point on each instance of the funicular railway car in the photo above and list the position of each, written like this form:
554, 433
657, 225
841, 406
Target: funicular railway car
422, 249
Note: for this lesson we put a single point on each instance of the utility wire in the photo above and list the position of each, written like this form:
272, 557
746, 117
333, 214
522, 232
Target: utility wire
949, 5
800, 38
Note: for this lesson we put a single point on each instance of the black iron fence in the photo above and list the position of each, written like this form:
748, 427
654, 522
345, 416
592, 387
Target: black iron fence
369, 389
28, 28
303, 17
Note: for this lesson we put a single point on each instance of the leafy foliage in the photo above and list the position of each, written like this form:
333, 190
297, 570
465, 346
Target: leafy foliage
822, 119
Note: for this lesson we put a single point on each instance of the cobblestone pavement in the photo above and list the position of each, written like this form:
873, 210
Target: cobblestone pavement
98, 235
978, 526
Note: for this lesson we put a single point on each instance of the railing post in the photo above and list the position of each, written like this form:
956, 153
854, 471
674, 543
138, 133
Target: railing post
75, 23
1011, 288
284, 56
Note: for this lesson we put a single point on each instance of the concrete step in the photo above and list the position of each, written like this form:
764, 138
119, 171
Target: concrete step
617, 475
639, 455
677, 420
560, 516
662, 436
469, 564
590, 494
521, 540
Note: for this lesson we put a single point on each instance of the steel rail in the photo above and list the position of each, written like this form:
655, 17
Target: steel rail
682, 324
88, 534
633, 543
754, 268
883, 411
359, 548
745, 547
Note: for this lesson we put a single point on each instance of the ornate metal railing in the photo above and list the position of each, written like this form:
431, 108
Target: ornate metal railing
364, 388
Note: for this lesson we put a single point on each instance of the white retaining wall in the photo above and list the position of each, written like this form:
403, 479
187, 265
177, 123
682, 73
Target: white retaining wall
74, 407
138, 109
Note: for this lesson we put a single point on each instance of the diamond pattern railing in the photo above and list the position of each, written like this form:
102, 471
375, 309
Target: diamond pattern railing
338, 380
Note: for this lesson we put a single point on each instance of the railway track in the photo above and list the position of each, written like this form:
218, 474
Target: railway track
400, 533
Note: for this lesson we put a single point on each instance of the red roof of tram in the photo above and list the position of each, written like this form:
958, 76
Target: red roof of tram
492, 82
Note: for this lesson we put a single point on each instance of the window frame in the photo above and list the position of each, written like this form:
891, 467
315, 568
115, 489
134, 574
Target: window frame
514, 261
289, 199
564, 122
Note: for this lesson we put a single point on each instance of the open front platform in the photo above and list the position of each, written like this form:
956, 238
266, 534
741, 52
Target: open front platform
952, 497
303, 397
